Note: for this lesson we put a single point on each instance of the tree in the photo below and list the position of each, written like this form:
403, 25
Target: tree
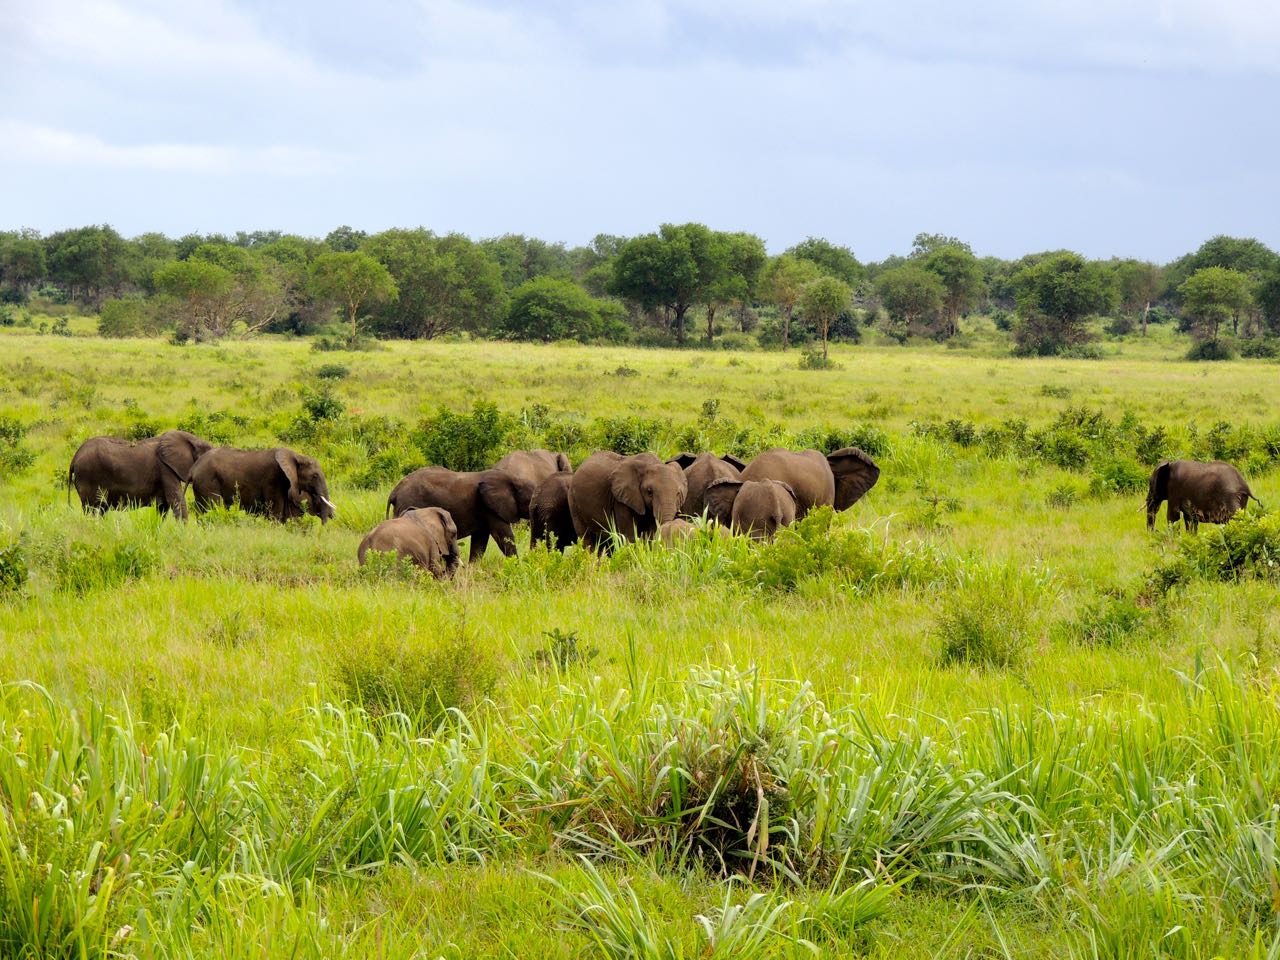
202, 294
1243, 254
446, 283
1267, 296
1138, 283
925, 244
354, 280
822, 301
671, 269
736, 262
550, 308
22, 262
1211, 296
912, 296
344, 239
1054, 295
961, 276
522, 258
831, 259
90, 262
785, 279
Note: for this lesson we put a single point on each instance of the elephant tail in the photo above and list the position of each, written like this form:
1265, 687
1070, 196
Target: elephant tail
391, 504
71, 479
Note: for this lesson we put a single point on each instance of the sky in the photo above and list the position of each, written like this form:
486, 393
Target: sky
1112, 127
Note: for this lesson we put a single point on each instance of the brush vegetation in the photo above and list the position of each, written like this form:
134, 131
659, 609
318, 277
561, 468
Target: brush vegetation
983, 713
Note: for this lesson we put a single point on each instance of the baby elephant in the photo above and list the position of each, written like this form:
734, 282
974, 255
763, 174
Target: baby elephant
759, 508
427, 536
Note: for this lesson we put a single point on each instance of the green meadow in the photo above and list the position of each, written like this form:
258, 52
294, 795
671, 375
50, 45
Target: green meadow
983, 713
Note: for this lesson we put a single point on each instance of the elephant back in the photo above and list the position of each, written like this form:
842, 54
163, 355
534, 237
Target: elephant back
806, 472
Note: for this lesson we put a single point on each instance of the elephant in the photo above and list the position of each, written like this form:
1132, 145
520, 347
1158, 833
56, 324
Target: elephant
699, 471
758, 508
673, 531
630, 495
1210, 492
550, 520
483, 503
268, 483
534, 465
107, 472
427, 536
840, 479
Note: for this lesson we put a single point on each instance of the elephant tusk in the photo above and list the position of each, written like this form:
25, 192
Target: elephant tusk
329, 504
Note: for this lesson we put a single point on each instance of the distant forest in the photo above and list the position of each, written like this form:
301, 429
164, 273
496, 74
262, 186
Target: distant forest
684, 284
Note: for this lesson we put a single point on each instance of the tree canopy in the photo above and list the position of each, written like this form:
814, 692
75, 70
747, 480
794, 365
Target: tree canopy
1055, 293
1213, 295
912, 296
354, 280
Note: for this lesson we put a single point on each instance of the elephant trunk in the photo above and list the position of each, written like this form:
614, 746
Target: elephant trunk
665, 507
1153, 505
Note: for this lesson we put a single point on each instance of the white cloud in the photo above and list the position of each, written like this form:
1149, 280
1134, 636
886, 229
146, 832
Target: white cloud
40, 145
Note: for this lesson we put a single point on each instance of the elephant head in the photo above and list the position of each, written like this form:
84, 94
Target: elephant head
179, 450
648, 487
505, 496
855, 474
442, 531
306, 477
1157, 491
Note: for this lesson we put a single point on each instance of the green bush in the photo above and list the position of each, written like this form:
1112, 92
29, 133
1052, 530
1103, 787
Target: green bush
15, 455
814, 360
1211, 350
627, 435
333, 371
130, 317
13, 568
985, 622
1112, 621
1118, 475
463, 441
82, 567
1246, 546
1263, 348
419, 680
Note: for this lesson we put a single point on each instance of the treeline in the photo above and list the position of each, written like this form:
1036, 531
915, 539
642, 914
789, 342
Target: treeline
682, 283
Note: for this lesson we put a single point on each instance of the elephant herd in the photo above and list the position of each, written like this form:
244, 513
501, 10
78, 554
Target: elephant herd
609, 498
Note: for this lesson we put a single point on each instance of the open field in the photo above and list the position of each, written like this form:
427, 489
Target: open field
208, 760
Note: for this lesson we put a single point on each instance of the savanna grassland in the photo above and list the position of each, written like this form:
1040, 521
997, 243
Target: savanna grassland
984, 713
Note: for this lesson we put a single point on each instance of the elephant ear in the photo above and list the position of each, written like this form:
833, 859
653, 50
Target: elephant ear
498, 494
288, 465
684, 460
733, 461
855, 474
787, 487
719, 497
438, 523
624, 485
178, 453
563, 464
1158, 485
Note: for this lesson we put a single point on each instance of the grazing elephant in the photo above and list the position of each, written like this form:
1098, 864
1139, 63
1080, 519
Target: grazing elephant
673, 531
483, 503
428, 537
534, 465
840, 479
269, 483
701, 470
1210, 492
758, 508
550, 519
631, 495
107, 472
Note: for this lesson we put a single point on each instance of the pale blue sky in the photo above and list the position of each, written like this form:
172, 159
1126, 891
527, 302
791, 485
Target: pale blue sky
1132, 127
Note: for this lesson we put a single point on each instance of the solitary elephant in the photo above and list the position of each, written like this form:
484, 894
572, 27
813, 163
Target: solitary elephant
758, 508
108, 473
550, 519
427, 536
1210, 492
630, 495
700, 470
839, 479
483, 503
269, 483
534, 465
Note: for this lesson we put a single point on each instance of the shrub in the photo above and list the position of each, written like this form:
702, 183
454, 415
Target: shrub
813, 360
1260, 349
627, 435
88, 566
985, 622
423, 682
333, 371
1117, 475
462, 441
1246, 546
15, 455
131, 317
385, 467
1063, 496
13, 569
1112, 621
1211, 350
564, 649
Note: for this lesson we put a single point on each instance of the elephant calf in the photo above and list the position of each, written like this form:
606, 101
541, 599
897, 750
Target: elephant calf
109, 473
699, 472
269, 483
483, 503
758, 508
427, 536
630, 496
1210, 492
550, 519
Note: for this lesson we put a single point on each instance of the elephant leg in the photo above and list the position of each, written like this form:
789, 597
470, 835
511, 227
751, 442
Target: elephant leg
479, 543
506, 539
174, 498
